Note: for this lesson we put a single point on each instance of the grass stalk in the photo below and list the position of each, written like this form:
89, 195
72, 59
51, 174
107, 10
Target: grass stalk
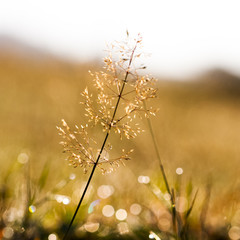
103, 145
171, 193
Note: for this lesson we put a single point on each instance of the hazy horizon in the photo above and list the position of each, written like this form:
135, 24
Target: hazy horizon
183, 38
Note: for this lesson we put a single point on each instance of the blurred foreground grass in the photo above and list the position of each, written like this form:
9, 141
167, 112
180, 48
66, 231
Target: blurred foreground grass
197, 129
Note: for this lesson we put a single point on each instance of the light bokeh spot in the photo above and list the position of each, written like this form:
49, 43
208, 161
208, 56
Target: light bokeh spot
72, 176
62, 199
144, 179
164, 224
123, 228
92, 205
52, 236
234, 233
23, 158
179, 171
91, 226
108, 211
7, 232
66, 200
105, 191
153, 235
167, 196
135, 209
121, 214
32, 209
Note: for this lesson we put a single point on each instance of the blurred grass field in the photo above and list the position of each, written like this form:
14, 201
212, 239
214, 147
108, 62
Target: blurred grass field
197, 129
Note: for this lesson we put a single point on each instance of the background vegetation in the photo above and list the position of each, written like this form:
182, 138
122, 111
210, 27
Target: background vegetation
197, 129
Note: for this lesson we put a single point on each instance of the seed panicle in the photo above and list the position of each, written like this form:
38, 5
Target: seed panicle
118, 73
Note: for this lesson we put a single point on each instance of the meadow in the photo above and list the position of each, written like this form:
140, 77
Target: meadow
197, 132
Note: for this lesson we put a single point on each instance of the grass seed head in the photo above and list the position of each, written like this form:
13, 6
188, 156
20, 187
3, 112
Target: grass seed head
119, 72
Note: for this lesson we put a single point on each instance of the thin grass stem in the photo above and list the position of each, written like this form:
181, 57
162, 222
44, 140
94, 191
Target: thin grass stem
157, 152
171, 193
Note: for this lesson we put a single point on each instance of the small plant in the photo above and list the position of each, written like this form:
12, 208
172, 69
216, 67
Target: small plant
120, 100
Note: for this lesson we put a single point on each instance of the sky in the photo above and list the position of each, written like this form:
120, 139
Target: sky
184, 37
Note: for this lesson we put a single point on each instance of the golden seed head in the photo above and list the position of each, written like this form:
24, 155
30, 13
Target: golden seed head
118, 74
